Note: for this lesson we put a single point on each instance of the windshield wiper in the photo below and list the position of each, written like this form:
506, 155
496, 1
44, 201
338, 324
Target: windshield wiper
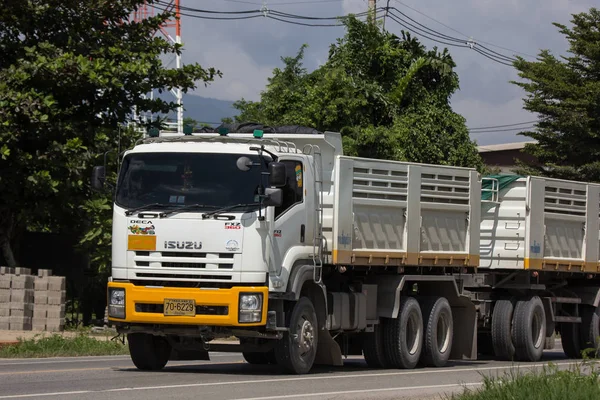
146, 207
229, 208
186, 208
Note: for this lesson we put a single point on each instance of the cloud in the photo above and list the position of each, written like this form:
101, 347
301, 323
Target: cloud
247, 51
354, 6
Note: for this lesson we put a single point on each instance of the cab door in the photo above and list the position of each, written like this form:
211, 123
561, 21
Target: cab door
290, 225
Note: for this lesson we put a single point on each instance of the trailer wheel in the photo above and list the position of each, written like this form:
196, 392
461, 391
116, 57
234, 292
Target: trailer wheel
439, 329
529, 329
570, 340
502, 343
148, 352
373, 347
590, 330
297, 349
403, 336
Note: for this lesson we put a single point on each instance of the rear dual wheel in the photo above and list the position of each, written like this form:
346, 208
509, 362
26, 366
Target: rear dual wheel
583, 338
519, 329
421, 334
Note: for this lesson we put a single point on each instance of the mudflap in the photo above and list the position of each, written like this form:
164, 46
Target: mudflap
328, 350
464, 342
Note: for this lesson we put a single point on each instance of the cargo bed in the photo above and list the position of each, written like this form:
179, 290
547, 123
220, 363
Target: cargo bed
541, 224
405, 214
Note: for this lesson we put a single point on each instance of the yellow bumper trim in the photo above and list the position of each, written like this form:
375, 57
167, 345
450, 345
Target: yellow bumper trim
203, 297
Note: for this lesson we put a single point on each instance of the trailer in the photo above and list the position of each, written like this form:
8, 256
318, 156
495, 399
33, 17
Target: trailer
306, 255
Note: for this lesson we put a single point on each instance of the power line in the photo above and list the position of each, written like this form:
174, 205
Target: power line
504, 126
448, 40
524, 128
459, 32
393, 13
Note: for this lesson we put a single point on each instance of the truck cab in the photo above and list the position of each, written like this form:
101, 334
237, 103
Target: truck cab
205, 228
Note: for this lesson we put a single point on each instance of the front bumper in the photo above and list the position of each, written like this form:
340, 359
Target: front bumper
215, 307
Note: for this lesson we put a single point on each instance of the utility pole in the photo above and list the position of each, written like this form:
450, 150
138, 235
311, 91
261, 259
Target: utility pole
372, 12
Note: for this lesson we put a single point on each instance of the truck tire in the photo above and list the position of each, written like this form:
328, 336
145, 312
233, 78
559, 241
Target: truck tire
148, 352
590, 330
403, 336
502, 317
570, 340
259, 358
373, 347
439, 330
297, 349
529, 329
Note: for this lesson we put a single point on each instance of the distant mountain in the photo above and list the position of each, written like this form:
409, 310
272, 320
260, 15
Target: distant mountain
202, 109
207, 110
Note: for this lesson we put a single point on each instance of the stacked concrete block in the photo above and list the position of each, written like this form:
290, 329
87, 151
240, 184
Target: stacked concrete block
16, 298
5, 278
28, 302
50, 298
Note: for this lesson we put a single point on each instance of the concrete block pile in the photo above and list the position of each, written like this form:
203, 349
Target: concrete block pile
30, 302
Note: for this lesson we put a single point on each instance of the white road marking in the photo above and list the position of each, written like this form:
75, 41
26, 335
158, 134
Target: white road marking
62, 360
398, 389
293, 379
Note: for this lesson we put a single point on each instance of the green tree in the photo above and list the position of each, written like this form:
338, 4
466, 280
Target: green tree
70, 73
387, 95
565, 92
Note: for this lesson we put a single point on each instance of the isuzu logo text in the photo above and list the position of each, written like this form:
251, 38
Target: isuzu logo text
183, 245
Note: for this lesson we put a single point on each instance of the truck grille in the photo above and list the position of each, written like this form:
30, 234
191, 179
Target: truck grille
180, 276
172, 259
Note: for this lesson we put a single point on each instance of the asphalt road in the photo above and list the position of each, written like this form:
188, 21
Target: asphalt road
226, 376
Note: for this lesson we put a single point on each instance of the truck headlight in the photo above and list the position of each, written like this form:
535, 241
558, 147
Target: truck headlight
250, 309
116, 303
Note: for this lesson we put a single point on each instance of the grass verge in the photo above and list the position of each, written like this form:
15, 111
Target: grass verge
580, 382
60, 346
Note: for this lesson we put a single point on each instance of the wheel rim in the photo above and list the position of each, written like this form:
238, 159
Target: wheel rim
443, 333
306, 337
536, 330
413, 333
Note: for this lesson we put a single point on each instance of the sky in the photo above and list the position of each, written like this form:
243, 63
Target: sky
246, 51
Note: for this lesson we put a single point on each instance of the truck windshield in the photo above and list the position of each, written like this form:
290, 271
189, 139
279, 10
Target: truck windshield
180, 179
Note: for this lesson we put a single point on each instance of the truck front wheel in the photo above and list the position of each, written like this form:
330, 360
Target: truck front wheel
297, 349
148, 352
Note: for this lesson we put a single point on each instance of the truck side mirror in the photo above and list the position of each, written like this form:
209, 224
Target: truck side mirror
98, 178
277, 174
273, 197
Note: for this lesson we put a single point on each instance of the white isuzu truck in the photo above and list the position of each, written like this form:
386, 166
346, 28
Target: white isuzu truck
306, 255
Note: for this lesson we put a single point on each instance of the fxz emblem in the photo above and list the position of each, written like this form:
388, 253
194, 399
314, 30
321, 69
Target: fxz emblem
183, 245
233, 225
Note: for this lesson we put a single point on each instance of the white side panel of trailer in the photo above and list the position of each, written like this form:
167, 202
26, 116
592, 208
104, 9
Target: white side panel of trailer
541, 223
395, 213
502, 243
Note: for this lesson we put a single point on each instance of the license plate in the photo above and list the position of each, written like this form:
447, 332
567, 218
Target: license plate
180, 307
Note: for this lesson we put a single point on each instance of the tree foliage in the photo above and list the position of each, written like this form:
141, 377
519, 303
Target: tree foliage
388, 96
565, 92
70, 73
